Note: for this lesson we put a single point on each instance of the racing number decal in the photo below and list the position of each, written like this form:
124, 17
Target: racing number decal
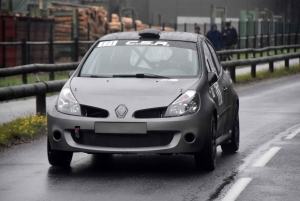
215, 87
107, 43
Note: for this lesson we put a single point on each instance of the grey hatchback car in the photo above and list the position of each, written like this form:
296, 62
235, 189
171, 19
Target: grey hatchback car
146, 92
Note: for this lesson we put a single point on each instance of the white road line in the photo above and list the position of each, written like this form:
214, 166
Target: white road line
236, 189
262, 161
293, 134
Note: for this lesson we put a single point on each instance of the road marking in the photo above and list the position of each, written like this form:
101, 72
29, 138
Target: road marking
236, 189
262, 161
293, 134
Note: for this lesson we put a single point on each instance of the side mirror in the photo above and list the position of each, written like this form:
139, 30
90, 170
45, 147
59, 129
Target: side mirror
212, 78
71, 73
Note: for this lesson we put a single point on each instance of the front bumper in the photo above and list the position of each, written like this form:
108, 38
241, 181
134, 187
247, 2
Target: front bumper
196, 124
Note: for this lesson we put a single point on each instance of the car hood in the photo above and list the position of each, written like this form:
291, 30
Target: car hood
134, 93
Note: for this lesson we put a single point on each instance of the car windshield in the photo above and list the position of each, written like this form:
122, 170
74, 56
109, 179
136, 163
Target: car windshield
153, 58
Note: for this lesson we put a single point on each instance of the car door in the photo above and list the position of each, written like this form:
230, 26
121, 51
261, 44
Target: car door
224, 87
218, 89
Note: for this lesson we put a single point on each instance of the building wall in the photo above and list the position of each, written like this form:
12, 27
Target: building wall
148, 10
169, 10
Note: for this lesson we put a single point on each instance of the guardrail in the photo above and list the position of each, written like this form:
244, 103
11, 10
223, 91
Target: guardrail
75, 43
34, 68
25, 51
231, 65
40, 89
253, 51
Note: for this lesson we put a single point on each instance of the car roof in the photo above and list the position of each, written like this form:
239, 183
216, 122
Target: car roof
176, 36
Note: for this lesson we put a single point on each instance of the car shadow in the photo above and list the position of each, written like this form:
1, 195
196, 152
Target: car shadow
129, 164
141, 175
176, 166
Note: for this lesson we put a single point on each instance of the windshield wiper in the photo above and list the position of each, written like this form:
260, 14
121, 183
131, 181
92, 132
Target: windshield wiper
149, 75
96, 76
141, 75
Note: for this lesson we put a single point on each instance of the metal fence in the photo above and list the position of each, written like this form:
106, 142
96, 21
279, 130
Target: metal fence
249, 52
50, 44
252, 34
40, 89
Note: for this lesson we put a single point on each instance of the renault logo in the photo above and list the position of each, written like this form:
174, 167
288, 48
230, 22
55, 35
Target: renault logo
121, 111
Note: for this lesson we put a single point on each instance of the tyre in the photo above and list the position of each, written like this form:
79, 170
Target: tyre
58, 158
234, 143
206, 160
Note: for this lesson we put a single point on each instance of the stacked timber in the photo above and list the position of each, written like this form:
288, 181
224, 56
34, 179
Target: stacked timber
115, 24
128, 25
87, 23
94, 16
161, 28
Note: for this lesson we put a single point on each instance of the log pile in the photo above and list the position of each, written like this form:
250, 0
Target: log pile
115, 24
129, 26
94, 16
127, 23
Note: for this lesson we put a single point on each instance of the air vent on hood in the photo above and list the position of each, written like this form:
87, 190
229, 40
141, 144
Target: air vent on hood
88, 111
150, 113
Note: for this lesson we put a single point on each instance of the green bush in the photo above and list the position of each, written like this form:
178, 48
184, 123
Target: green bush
22, 129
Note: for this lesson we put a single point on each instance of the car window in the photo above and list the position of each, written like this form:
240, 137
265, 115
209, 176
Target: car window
152, 55
165, 58
215, 58
208, 59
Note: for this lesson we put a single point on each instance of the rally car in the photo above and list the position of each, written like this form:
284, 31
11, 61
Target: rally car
146, 92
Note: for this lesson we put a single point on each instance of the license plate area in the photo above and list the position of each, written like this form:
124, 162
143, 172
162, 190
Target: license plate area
121, 128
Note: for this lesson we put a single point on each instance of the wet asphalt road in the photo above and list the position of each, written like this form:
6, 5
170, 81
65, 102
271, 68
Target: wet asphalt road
10, 110
265, 112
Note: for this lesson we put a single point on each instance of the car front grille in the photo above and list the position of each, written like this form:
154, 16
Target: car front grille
151, 139
150, 113
89, 111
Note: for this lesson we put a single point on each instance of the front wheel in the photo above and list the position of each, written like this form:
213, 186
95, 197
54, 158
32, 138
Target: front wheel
58, 158
234, 143
206, 160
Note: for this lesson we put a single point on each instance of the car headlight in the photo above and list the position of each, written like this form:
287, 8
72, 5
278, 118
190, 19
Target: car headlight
66, 103
187, 103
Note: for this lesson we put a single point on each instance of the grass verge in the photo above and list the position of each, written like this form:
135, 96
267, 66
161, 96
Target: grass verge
21, 130
17, 80
265, 74
265, 54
